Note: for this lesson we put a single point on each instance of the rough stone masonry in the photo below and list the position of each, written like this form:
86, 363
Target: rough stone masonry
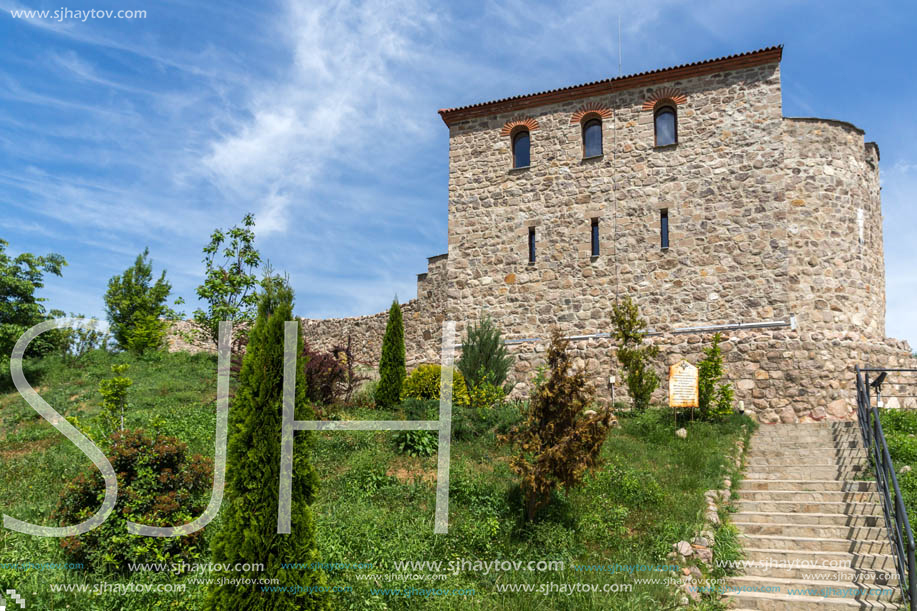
774, 223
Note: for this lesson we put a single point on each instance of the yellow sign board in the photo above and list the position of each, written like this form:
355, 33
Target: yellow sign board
683, 385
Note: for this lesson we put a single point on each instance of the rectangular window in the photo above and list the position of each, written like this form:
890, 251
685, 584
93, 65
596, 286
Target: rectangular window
595, 237
664, 228
531, 244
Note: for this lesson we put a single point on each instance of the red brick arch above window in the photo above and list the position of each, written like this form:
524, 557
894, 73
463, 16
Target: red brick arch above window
590, 111
514, 125
668, 95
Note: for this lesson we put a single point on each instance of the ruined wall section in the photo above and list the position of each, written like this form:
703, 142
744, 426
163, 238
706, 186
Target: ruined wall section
837, 269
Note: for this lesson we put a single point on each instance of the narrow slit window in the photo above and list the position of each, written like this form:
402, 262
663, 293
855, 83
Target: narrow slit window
531, 244
664, 228
595, 237
592, 138
521, 150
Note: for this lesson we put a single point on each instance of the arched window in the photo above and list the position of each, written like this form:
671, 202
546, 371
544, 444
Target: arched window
592, 138
521, 145
666, 132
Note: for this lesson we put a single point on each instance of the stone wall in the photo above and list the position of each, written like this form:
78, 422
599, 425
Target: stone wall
837, 267
721, 184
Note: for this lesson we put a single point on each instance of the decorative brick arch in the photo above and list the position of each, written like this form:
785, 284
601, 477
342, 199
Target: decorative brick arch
520, 122
590, 111
665, 94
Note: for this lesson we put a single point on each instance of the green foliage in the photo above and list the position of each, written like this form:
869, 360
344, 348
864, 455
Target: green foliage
714, 395
418, 443
484, 355
391, 365
635, 358
486, 395
424, 383
134, 305
20, 308
230, 283
159, 484
556, 443
82, 340
249, 526
727, 551
114, 399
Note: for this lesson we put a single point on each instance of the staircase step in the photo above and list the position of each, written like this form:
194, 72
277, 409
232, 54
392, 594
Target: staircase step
876, 533
813, 472
879, 577
805, 496
817, 559
766, 601
804, 450
806, 589
818, 544
867, 509
825, 519
827, 485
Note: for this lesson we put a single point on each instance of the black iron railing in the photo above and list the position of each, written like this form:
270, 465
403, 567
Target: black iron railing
899, 527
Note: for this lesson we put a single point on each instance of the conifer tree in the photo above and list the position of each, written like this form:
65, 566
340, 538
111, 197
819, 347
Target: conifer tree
249, 528
391, 365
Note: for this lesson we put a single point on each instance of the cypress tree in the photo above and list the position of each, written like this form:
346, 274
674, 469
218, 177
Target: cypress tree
249, 529
391, 365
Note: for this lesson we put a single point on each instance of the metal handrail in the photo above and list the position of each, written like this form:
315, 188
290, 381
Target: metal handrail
899, 527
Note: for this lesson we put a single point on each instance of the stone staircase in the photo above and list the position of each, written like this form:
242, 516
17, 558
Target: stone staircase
814, 537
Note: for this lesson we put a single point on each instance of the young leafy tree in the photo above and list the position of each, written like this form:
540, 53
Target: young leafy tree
136, 306
714, 396
557, 442
484, 355
20, 309
635, 358
230, 282
114, 399
391, 366
249, 527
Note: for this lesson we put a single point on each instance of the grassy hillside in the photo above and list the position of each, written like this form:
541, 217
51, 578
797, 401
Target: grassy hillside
376, 505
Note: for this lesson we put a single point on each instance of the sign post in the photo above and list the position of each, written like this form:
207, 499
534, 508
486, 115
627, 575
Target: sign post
683, 386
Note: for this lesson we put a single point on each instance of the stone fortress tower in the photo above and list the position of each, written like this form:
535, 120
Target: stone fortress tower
685, 188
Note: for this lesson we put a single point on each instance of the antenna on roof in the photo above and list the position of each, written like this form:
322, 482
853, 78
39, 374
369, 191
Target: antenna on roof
619, 45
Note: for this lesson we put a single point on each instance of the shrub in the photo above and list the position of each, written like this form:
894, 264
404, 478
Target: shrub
391, 365
249, 521
629, 331
714, 395
418, 443
484, 355
424, 383
352, 377
148, 334
486, 395
158, 485
135, 304
557, 443
324, 375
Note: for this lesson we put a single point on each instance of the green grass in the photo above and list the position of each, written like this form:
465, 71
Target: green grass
377, 506
900, 429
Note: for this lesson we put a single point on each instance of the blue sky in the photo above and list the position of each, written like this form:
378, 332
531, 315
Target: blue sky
320, 118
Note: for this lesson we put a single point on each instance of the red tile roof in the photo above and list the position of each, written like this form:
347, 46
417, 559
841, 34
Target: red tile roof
748, 59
